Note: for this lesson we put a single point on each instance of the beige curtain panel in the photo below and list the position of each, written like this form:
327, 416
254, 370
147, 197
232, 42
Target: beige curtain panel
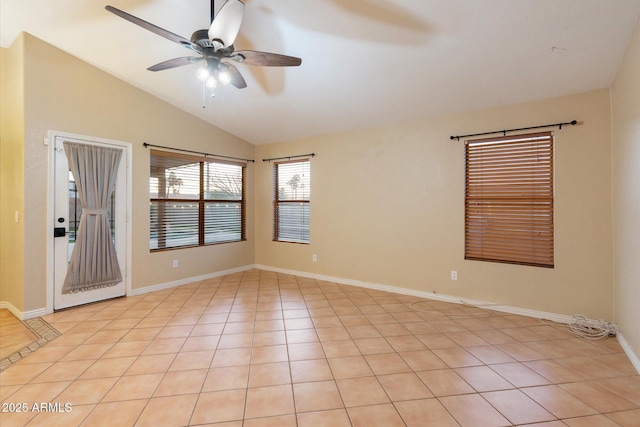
93, 261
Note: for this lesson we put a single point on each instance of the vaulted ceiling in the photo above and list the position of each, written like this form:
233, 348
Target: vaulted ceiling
364, 62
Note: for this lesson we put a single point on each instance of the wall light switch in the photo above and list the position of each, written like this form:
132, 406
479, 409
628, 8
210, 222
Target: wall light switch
16, 216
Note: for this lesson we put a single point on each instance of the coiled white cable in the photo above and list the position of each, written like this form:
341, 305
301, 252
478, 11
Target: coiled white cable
592, 329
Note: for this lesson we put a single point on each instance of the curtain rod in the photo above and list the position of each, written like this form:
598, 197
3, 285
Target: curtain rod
197, 152
504, 132
289, 157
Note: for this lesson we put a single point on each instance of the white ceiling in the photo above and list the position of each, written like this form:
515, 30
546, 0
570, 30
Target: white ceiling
364, 62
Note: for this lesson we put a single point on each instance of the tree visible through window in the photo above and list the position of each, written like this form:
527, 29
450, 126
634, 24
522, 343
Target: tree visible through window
292, 186
509, 199
195, 201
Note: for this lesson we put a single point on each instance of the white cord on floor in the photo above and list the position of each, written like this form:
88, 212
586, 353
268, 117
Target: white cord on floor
592, 329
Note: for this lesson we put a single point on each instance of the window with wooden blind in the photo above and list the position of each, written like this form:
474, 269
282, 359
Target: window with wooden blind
195, 201
509, 199
292, 189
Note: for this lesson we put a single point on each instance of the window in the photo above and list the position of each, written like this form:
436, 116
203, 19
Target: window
509, 200
195, 201
291, 201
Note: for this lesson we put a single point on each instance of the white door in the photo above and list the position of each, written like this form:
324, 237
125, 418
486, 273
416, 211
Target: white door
67, 212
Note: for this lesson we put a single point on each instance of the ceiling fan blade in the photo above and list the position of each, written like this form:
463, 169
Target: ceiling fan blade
267, 59
175, 62
226, 24
236, 78
149, 26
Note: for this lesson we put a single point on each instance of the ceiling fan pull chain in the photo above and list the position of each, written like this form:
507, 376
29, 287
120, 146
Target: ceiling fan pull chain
204, 95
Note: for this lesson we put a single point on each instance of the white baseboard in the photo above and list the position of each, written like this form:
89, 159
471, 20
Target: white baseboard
633, 357
173, 284
139, 291
22, 315
560, 318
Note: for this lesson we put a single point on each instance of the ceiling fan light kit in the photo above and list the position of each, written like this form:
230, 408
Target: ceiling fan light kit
214, 47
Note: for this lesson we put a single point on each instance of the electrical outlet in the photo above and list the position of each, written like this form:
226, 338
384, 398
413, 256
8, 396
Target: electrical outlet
314, 258
454, 275
176, 264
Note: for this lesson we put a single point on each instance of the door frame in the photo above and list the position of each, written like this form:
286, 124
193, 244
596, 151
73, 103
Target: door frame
127, 147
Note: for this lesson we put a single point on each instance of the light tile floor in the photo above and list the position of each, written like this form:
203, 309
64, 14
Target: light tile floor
259, 349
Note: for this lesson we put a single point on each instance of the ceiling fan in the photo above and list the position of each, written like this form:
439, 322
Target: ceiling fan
214, 47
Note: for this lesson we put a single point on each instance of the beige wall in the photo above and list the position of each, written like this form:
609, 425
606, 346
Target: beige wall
12, 175
626, 193
65, 94
387, 207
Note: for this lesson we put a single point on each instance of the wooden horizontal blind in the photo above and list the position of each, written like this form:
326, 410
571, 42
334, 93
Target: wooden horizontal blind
195, 201
509, 199
292, 198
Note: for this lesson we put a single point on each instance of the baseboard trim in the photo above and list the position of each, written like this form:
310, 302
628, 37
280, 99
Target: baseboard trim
559, 318
633, 357
22, 315
173, 284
